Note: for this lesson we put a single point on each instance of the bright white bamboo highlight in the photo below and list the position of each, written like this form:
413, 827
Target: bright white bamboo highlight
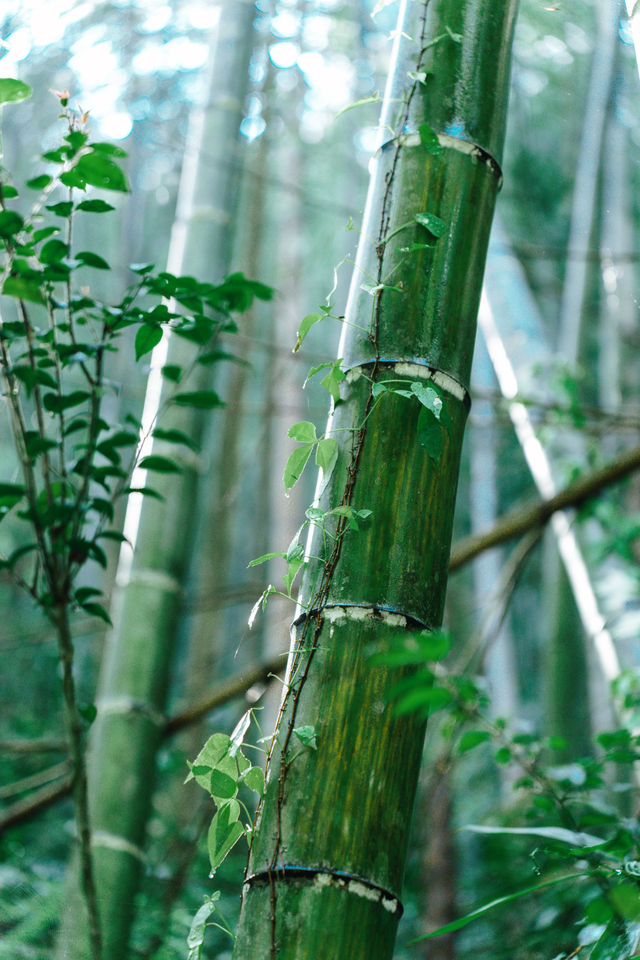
538, 463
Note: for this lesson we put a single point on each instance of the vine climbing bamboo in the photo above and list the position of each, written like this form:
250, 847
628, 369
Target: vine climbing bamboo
329, 840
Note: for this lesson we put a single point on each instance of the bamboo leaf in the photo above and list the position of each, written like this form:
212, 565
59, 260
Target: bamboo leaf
175, 436
200, 399
159, 464
509, 898
572, 837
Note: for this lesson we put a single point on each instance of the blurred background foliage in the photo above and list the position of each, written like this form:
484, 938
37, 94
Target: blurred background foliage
145, 71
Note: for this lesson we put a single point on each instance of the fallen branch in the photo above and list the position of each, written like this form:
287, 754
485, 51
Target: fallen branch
235, 686
35, 780
520, 521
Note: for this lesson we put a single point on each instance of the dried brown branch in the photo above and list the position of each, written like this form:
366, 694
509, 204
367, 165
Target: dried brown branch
520, 521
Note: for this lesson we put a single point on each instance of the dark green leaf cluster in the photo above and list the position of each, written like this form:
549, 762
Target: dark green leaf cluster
221, 768
55, 341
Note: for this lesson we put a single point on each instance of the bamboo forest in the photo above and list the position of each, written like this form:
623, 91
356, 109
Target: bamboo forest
319, 479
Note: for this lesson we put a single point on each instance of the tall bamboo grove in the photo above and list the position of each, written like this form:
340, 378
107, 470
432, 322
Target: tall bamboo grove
327, 858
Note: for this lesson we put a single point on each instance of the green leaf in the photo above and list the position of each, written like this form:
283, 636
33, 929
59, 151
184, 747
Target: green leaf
109, 149
376, 98
430, 434
428, 397
97, 610
304, 431
39, 235
598, 911
83, 594
471, 739
38, 183
23, 288
327, 454
10, 223
217, 356
292, 570
13, 91
307, 736
172, 372
433, 224
216, 747
148, 336
305, 325
197, 931
92, 260
474, 914
429, 140
58, 404
160, 464
223, 786
295, 465
53, 251
201, 399
175, 436
99, 171
254, 780
239, 732
88, 712
265, 557
224, 833
11, 494
616, 942
625, 899
95, 206
424, 699
571, 837
8, 192
35, 444
333, 379
62, 209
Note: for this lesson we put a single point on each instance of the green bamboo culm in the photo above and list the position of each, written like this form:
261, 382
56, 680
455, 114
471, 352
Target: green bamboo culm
329, 845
